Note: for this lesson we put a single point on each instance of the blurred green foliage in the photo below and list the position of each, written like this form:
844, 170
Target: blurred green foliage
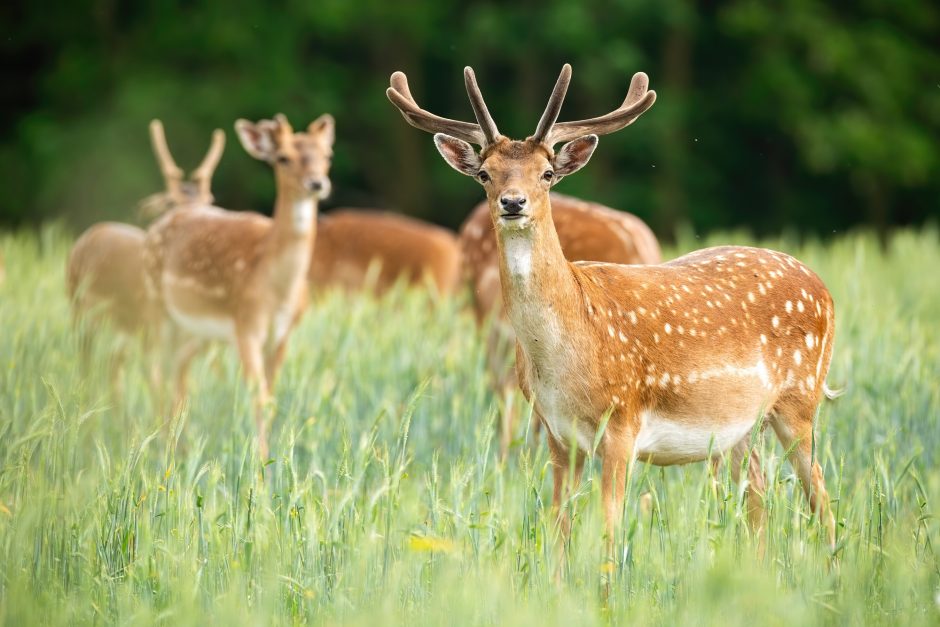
791, 114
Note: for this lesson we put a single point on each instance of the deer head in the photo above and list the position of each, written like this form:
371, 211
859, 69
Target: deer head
196, 190
301, 160
517, 175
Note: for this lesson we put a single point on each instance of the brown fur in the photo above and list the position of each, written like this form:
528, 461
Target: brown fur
241, 277
685, 357
105, 275
587, 232
350, 241
707, 341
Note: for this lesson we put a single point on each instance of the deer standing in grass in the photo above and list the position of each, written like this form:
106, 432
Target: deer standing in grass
105, 275
240, 277
587, 231
684, 358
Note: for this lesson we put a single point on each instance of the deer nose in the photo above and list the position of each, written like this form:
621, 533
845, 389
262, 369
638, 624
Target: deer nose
512, 203
315, 185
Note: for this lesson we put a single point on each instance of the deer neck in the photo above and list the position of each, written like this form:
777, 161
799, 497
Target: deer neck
295, 213
290, 240
539, 288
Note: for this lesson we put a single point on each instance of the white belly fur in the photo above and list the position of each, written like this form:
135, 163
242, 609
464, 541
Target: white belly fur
664, 441
211, 328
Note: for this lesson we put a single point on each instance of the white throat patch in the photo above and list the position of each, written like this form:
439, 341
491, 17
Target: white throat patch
518, 251
303, 215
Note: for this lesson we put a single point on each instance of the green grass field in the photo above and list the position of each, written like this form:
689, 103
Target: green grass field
385, 502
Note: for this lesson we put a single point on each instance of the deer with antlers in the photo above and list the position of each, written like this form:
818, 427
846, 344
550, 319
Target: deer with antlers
587, 231
668, 364
105, 268
240, 277
351, 242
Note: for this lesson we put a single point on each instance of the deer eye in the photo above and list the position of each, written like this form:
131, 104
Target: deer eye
283, 159
483, 175
548, 175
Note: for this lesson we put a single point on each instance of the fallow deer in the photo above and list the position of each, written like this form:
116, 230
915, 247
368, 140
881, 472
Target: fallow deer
587, 231
350, 241
180, 191
683, 359
240, 276
105, 275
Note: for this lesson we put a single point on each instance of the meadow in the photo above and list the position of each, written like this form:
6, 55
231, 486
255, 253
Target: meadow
385, 500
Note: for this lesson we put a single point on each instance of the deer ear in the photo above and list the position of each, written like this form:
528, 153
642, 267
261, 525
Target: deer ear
574, 155
257, 139
324, 126
459, 154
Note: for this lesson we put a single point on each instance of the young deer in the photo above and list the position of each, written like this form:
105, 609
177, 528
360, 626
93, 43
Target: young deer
587, 231
239, 276
105, 269
350, 241
685, 358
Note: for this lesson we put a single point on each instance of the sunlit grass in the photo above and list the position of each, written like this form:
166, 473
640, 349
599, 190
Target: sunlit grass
385, 500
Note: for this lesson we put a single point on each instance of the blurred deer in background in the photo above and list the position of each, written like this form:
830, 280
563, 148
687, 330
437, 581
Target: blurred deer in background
587, 231
669, 364
240, 277
196, 190
105, 275
355, 246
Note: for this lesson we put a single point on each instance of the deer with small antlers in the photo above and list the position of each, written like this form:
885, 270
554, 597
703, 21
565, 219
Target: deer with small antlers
105, 269
682, 360
240, 277
180, 191
351, 242
587, 231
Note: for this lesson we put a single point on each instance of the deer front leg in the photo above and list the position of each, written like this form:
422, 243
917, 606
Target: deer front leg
273, 361
564, 479
252, 358
274, 357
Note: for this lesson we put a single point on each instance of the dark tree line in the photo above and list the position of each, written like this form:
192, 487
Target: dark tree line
790, 114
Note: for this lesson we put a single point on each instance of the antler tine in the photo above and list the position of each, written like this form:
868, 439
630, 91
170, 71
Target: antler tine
553, 108
639, 99
203, 174
400, 95
284, 126
171, 172
485, 120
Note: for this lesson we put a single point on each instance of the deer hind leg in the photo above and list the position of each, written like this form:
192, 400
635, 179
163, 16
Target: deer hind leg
755, 489
118, 361
182, 360
504, 382
793, 424
252, 357
618, 451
